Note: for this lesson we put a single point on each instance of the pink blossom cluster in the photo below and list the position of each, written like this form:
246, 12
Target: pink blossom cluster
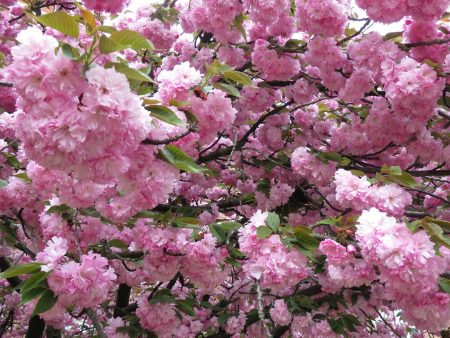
175, 83
53, 253
269, 260
408, 266
271, 17
324, 54
343, 269
305, 326
416, 31
322, 17
357, 193
311, 168
412, 88
112, 7
213, 16
280, 313
391, 11
215, 114
159, 318
85, 284
88, 127
371, 51
236, 324
272, 65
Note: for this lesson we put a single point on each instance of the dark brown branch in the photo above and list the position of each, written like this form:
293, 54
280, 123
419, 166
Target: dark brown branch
444, 114
123, 297
6, 84
348, 38
170, 139
36, 327
427, 43
227, 151
4, 265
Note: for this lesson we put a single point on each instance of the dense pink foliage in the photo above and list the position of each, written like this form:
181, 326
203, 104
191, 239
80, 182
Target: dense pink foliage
224, 168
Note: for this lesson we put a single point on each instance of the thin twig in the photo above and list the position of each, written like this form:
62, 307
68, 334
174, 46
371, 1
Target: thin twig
387, 323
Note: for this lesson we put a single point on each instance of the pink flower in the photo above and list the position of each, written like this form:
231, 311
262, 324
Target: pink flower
312, 168
159, 318
112, 7
272, 66
53, 253
280, 313
84, 284
270, 261
236, 324
391, 199
322, 17
352, 191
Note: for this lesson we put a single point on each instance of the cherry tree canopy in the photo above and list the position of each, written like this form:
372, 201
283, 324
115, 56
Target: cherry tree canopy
224, 168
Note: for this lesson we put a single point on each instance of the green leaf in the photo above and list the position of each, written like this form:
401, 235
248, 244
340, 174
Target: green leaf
46, 302
396, 170
58, 209
337, 325
31, 294
237, 253
3, 183
131, 39
222, 230
445, 284
165, 114
233, 262
443, 224
294, 43
132, 73
349, 31
222, 319
89, 19
117, 243
91, 212
107, 45
106, 29
263, 232
12, 160
178, 158
34, 281
331, 156
238, 77
392, 36
185, 307
163, 296
61, 21
21, 270
216, 67
70, 52
437, 234
187, 222
273, 221
227, 88
24, 177
238, 23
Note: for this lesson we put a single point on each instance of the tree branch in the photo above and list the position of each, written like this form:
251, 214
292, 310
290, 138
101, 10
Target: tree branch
123, 297
416, 173
427, 43
170, 139
261, 310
